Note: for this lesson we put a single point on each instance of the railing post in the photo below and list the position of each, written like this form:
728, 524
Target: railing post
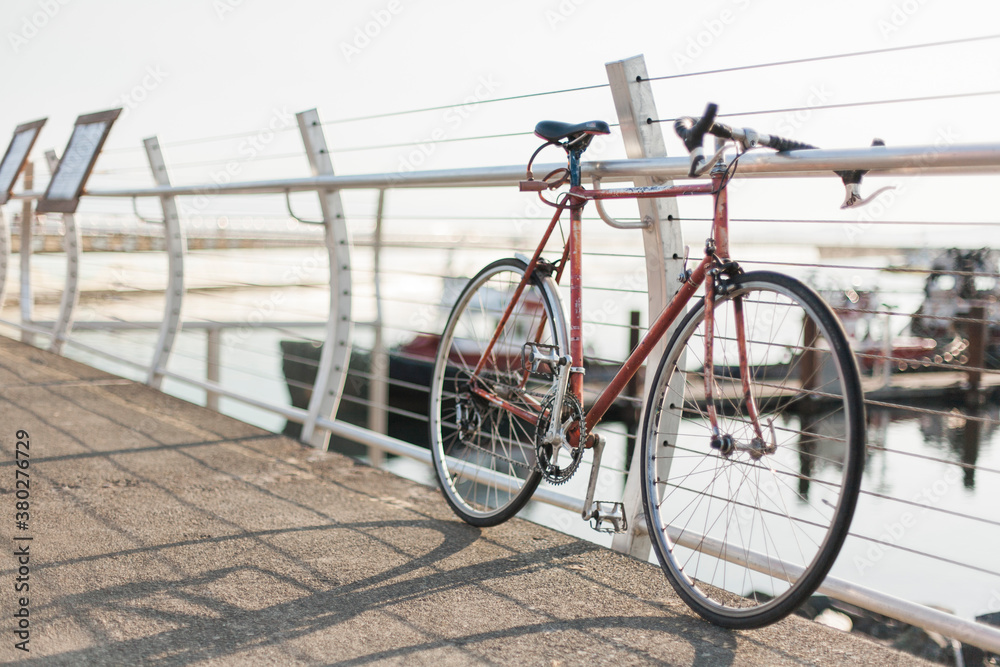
4, 257
378, 387
336, 355
176, 245
27, 298
213, 365
71, 288
664, 248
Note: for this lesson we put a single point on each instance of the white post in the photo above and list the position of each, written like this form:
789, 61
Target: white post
213, 365
71, 288
176, 245
378, 387
332, 371
27, 298
4, 257
664, 247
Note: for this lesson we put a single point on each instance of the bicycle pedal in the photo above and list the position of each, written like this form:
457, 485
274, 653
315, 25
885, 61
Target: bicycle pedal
541, 360
608, 517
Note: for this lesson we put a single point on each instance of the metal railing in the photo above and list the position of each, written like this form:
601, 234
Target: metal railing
651, 267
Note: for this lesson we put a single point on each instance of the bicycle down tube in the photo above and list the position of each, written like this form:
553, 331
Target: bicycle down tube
657, 329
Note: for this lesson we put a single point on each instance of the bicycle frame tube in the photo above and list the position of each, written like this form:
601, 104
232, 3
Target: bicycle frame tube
720, 231
517, 293
573, 252
576, 300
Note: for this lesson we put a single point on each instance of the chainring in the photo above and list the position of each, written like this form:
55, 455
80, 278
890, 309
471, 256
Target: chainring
572, 413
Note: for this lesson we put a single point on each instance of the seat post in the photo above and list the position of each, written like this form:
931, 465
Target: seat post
575, 177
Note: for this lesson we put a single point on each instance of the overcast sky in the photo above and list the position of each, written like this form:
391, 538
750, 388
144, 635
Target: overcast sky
190, 69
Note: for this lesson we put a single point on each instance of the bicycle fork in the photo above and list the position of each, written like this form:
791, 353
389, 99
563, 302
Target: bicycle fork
725, 442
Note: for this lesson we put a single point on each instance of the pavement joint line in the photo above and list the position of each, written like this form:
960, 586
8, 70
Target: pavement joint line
143, 450
112, 398
96, 382
215, 539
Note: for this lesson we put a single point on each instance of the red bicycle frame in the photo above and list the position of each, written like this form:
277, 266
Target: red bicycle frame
573, 252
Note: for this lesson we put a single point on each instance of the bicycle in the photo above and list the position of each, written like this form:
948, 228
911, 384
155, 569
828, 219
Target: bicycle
753, 436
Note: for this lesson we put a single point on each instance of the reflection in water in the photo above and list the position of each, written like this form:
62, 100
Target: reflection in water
959, 435
971, 437
820, 445
807, 454
962, 432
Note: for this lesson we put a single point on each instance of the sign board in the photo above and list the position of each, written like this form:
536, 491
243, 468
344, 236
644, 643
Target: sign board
63, 193
17, 155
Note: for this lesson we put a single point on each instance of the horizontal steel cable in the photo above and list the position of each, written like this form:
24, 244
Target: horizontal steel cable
814, 59
844, 105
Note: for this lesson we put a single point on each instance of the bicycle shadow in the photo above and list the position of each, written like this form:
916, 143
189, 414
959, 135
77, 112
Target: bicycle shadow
205, 624
187, 601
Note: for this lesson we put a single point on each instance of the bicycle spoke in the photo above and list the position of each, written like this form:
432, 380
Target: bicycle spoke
484, 455
781, 509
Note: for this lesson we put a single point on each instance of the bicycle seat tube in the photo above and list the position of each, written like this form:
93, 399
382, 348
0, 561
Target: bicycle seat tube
576, 274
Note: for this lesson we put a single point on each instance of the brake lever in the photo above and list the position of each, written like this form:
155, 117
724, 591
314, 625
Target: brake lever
853, 198
852, 185
696, 163
699, 165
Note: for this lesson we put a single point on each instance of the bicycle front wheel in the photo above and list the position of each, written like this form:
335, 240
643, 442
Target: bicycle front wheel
746, 528
484, 454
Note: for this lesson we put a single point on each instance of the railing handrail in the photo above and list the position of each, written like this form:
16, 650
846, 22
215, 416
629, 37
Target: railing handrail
975, 158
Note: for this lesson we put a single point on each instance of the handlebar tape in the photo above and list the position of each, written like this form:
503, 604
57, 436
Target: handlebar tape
781, 144
693, 130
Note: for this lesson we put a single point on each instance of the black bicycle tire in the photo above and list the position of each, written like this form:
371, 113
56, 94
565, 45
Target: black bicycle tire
551, 303
855, 435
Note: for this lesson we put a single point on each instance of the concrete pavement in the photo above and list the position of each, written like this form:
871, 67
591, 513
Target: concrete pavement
166, 534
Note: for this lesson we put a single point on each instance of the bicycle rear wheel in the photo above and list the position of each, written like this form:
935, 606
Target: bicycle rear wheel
746, 535
484, 456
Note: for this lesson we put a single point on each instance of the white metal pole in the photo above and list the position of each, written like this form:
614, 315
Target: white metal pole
176, 244
213, 366
661, 238
378, 388
333, 363
4, 257
71, 289
27, 298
